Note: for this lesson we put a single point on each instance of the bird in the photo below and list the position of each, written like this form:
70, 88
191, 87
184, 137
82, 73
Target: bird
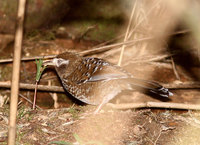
96, 81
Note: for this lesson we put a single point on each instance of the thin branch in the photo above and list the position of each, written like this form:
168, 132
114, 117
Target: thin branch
127, 32
32, 87
156, 105
152, 58
16, 72
108, 47
29, 101
122, 35
138, 24
27, 58
93, 50
109, 41
174, 69
180, 32
155, 143
89, 29
188, 120
35, 95
83, 53
114, 51
185, 85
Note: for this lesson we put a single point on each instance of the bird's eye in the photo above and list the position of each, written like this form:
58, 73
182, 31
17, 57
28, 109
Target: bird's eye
59, 61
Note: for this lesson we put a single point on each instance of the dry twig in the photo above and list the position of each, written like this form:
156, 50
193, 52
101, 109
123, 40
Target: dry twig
83, 53
16, 72
174, 69
108, 47
127, 32
29, 101
27, 58
152, 58
138, 24
185, 85
155, 143
32, 87
94, 50
156, 105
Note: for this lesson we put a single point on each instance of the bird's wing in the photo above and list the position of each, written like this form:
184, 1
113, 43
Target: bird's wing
95, 69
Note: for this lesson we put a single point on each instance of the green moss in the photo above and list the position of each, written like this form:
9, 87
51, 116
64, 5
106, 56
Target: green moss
21, 112
74, 112
9, 7
5, 73
105, 29
37, 34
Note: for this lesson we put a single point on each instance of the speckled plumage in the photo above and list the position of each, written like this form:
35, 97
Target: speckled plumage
95, 81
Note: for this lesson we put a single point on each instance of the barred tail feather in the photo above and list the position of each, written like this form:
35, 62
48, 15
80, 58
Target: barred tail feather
150, 86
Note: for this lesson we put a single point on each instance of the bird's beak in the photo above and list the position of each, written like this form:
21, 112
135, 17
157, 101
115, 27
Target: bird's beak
48, 63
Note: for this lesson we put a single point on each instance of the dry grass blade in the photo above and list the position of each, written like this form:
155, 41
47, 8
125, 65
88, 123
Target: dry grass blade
108, 47
144, 59
174, 69
139, 23
29, 101
126, 35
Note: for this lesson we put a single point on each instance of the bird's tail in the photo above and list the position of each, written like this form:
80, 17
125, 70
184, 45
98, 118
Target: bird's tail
150, 87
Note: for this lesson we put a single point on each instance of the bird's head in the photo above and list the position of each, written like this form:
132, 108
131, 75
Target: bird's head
64, 63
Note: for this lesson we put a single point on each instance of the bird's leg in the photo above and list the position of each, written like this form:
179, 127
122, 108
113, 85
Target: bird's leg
99, 107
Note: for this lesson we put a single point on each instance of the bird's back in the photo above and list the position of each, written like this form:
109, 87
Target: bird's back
93, 79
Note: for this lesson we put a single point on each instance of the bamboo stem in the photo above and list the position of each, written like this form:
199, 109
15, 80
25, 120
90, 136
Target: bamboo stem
16, 72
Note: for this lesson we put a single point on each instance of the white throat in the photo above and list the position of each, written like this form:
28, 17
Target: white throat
59, 61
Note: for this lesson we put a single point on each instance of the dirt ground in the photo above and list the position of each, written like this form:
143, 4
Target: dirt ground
130, 127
